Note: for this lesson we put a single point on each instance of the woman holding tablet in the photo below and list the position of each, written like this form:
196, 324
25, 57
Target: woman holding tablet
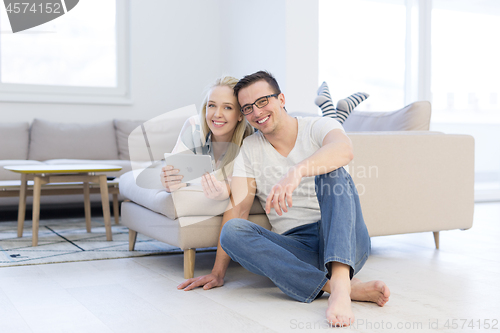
218, 131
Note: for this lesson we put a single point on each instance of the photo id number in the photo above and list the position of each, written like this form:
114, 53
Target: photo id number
26, 7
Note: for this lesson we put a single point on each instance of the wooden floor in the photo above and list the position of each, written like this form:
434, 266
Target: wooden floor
430, 289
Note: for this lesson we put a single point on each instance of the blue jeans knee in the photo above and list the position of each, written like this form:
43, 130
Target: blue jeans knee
337, 182
233, 231
339, 175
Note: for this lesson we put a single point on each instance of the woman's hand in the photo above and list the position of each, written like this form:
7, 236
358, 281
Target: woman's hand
214, 189
170, 178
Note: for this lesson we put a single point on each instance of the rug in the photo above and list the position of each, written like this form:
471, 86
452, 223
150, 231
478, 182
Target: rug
66, 240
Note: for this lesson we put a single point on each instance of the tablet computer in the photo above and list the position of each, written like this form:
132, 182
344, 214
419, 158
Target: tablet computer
190, 166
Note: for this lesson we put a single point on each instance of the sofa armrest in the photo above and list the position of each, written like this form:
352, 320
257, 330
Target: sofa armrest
190, 201
414, 181
185, 202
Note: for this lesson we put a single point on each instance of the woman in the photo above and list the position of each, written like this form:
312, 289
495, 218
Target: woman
218, 131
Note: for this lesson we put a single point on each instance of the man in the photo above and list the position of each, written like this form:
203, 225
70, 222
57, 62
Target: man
318, 239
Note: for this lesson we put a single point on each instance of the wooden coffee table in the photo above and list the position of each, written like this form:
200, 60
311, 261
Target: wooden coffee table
67, 173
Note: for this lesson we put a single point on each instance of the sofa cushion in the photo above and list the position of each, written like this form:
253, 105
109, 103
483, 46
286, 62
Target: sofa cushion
14, 139
161, 133
123, 130
11, 175
413, 117
51, 140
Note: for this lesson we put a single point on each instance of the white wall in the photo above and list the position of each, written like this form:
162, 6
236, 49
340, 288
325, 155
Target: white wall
256, 37
177, 48
280, 36
302, 47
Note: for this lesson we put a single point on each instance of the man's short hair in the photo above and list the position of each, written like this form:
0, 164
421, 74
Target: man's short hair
257, 76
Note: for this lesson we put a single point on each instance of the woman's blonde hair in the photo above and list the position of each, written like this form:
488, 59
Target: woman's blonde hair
242, 130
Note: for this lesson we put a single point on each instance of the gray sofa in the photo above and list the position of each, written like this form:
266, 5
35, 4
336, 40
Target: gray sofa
47, 142
409, 180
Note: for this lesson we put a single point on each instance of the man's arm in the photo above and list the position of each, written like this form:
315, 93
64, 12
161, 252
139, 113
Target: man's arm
335, 152
242, 196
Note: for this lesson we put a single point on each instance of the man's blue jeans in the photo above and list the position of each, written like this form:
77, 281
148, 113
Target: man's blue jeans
297, 261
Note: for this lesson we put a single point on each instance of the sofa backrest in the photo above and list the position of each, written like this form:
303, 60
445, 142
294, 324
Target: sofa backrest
14, 140
53, 140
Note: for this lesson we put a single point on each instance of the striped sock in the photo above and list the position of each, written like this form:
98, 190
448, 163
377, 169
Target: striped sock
324, 101
346, 105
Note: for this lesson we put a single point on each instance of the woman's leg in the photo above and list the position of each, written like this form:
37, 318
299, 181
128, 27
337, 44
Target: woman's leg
346, 105
324, 102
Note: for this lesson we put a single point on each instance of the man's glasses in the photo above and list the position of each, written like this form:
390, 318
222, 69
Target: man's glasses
260, 103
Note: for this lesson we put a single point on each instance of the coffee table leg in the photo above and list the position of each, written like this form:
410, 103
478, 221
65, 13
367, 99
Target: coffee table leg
86, 204
103, 183
21, 213
36, 208
116, 209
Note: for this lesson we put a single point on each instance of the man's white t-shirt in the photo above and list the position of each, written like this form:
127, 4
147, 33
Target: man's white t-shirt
258, 159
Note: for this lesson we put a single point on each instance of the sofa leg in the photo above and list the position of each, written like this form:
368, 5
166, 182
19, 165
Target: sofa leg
132, 236
189, 256
436, 239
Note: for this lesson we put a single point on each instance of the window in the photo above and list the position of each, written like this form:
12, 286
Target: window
464, 82
465, 67
362, 48
444, 51
79, 57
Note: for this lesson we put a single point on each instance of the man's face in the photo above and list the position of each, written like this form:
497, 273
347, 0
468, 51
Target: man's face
266, 119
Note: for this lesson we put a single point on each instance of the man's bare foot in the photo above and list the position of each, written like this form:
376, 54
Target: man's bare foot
339, 312
372, 291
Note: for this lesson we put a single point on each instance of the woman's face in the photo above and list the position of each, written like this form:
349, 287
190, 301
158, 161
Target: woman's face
222, 114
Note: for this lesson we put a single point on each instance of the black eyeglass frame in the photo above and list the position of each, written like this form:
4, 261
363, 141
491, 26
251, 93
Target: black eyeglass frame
254, 103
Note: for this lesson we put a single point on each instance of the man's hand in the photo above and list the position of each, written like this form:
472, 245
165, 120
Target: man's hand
207, 281
281, 193
214, 189
170, 178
